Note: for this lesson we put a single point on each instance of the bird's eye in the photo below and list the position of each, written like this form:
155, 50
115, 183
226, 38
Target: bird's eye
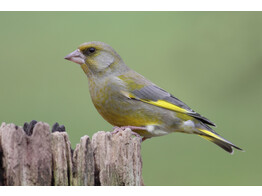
88, 51
91, 50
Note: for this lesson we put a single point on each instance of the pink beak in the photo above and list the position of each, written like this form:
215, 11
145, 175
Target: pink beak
76, 57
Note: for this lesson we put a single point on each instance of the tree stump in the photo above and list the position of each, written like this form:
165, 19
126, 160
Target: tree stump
45, 158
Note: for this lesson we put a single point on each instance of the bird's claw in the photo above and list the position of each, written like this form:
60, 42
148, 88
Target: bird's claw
117, 129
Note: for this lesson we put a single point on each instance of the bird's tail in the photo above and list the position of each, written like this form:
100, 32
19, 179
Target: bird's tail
218, 140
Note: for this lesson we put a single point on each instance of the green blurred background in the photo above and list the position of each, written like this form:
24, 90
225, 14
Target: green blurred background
210, 60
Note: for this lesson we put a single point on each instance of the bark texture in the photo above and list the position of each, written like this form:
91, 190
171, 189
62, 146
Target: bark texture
46, 158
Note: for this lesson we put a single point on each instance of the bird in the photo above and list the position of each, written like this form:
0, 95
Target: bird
126, 99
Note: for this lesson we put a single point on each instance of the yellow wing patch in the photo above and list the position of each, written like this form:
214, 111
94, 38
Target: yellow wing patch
160, 103
165, 104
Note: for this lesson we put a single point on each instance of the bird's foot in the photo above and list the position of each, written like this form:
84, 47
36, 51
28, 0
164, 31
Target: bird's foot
57, 128
117, 129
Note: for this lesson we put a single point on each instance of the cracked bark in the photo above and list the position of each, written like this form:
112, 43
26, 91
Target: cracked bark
46, 158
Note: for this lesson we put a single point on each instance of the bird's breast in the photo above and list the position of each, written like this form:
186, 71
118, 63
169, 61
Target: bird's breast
117, 109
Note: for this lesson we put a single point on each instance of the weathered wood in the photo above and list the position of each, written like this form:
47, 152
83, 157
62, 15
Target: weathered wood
83, 163
117, 158
46, 158
27, 160
62, 161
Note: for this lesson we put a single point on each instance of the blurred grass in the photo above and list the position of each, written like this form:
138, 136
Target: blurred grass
210, 60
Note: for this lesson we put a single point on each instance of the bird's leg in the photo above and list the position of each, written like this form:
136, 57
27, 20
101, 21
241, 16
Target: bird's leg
145, 138
117, 129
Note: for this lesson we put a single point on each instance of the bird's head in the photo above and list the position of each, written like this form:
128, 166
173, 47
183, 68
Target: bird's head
96, 58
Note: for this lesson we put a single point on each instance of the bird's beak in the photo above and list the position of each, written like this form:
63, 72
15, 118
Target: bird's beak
76, 57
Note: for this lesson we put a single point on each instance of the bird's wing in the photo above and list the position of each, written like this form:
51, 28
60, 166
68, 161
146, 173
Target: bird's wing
152, 94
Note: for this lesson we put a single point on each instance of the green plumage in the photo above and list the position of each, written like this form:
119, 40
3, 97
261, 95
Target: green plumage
125, 98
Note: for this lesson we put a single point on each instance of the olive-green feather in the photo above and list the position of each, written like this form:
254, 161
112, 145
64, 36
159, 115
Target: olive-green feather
144, 90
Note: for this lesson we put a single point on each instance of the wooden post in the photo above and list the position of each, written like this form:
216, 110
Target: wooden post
46, 158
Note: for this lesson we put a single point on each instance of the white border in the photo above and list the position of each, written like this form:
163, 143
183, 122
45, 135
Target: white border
131, 5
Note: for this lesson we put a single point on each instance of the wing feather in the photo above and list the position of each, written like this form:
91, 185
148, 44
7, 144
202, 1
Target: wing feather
156, 96
141, 89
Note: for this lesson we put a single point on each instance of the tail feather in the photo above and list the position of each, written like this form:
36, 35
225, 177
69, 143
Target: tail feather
218, 140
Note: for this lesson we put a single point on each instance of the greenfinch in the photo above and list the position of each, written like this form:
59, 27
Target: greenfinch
127, 99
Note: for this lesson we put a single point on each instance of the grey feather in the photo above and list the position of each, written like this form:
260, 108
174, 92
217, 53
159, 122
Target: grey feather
154, 93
